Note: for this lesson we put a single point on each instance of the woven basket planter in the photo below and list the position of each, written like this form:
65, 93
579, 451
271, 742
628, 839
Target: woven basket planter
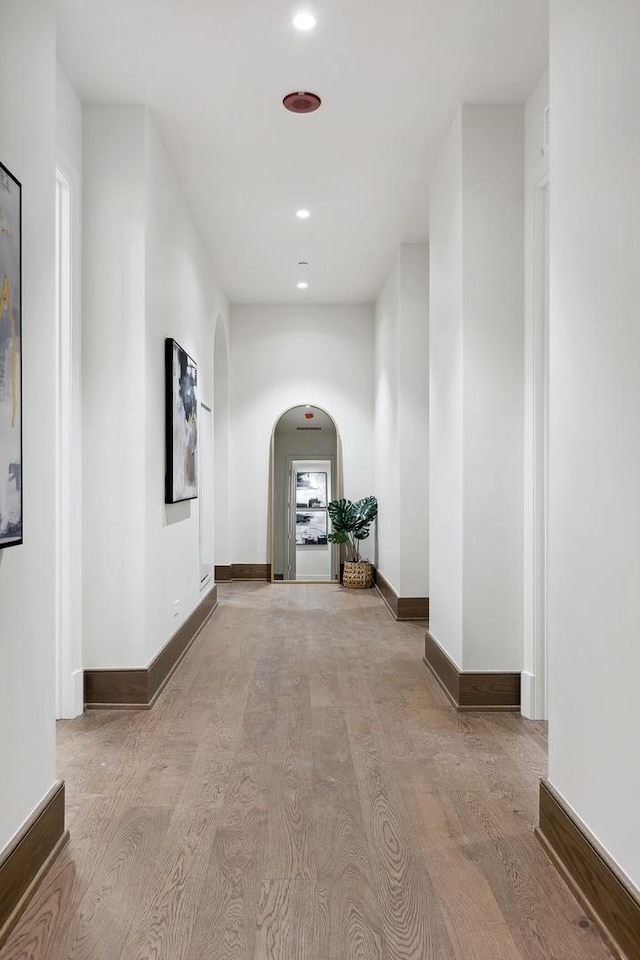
357, 575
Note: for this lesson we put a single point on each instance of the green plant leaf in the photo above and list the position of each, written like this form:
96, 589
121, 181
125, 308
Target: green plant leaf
343, 515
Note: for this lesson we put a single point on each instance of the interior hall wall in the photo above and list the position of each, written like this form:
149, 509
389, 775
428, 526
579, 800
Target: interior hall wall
114, 397
386, 425
27, 572
402, 422
283, 356
536, 185
446, 394
476, 382
413, 411
594, 513
183, 300
493, 398
147, 277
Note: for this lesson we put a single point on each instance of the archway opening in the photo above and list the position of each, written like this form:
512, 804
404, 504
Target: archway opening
305, 477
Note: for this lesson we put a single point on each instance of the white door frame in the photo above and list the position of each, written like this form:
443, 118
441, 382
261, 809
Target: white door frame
68, 521
205, 499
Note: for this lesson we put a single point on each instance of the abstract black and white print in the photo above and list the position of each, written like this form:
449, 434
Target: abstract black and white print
182, 424
311, 528
311, 489
10, 361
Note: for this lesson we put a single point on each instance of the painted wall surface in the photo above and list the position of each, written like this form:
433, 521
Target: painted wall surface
493, 364
282, 356
402, 422
413, 419
70, 678
594, 522
445, 395
183, 299
68, 121
536, 252
147, 277
476, 375
221, 442
114, 396
27, 572
387, 433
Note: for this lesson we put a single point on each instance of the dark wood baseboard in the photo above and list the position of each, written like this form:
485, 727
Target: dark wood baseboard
471, 690
606, 896
251, 571
138, 689
402, 608
242, 571
24, 863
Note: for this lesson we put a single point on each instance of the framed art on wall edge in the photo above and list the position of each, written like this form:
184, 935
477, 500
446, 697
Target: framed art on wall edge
10, 359
181, 374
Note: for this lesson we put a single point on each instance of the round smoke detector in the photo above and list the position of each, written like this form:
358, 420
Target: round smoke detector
302, 102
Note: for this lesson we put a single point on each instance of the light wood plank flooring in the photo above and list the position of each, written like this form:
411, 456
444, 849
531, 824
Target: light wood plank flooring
302, 790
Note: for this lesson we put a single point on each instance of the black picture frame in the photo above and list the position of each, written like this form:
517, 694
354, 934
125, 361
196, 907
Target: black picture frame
11, 456
311, 489
181, 417
311, 528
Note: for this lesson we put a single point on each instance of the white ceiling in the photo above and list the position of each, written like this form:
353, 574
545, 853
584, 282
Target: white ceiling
390, 73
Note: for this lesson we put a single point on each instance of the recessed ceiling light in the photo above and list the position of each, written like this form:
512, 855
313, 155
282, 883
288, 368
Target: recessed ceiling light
302, 285
303, 214
304, 20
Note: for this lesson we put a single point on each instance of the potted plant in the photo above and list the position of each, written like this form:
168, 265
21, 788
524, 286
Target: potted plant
351, 523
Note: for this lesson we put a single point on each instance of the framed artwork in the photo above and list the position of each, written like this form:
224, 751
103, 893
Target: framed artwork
181, 478
10, 359
311, 528
311, 489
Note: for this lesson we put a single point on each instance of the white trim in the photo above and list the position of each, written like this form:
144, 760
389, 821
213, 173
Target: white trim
528, 698
206, 495
68, 521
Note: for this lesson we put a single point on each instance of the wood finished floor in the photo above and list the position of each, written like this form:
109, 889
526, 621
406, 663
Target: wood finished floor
302, 790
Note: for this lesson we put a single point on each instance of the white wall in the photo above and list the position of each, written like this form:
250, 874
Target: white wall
69, 673
493, 364
68, 121
413, 419
594, 522
147, 277
387, 433
283, 356
402, 422
221, 441
476, 372
114, 397
27, 600
183, 299
536, 185
445, 394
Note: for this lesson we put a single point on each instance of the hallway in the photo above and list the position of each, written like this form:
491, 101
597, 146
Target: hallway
302, 790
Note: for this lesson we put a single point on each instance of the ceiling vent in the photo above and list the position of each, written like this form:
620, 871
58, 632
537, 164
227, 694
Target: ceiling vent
308, 428
302, 102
